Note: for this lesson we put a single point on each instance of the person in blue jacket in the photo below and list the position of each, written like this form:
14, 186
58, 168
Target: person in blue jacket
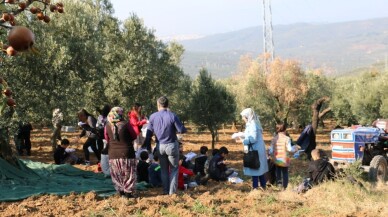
254, 134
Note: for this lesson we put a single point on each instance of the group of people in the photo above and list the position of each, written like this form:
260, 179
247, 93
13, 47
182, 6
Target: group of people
168, 167
279, 154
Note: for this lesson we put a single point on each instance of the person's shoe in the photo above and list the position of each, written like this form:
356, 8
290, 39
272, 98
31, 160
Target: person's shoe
204, 180
98, 169
129, 195
87, 163
120, 193
198, 178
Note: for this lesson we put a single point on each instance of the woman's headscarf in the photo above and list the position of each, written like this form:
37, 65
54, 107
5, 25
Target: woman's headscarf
250, 115
115, 115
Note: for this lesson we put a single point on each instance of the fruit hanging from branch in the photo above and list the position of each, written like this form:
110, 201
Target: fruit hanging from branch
20, 38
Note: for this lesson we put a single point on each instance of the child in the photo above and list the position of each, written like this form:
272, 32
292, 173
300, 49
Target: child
63, 154
319, 170
154, 173
199, 166
217, 168
142, 167
280, 148
182, 172
186, 163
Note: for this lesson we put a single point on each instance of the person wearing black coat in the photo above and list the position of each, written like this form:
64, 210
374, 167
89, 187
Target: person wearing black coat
307, 141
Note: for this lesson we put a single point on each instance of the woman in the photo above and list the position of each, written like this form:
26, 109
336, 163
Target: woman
280, 151
254, 135
120, 135
137, 121
88, 125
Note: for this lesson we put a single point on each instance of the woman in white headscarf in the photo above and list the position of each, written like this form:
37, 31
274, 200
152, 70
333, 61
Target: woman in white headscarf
254, 135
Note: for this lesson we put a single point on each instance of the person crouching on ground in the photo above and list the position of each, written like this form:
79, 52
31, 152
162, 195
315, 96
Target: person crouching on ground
183, 173
119, 135
142, 167
154, 173
279, 150
200, 160
63, 154
253, 134
319, 170
218, 170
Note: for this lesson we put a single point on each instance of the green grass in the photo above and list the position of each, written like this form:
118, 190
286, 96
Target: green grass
198, 207
165, 212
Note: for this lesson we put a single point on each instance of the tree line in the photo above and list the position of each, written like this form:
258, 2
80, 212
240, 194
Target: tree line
87, 58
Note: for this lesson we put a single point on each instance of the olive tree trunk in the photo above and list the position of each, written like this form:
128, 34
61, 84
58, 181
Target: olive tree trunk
317, 113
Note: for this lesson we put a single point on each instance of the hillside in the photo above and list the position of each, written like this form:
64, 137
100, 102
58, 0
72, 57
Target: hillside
336, 47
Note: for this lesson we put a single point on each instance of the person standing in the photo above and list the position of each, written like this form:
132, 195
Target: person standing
280, 151
57, 124
88, 125
137, 121
253, 135
165, 125
119, 135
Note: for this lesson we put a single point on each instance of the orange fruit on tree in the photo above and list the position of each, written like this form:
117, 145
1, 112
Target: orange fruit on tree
53, 8
11, 102
5, 17
8, 92
34, 10
21, 38
11, 51
40, 15
22, 5
46, 19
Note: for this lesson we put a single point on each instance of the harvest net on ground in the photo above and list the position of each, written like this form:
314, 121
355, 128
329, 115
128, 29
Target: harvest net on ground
35, 178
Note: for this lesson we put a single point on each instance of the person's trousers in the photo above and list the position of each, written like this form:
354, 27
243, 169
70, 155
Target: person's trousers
282, 172
27, 144
93, 144
169, 159
255, 181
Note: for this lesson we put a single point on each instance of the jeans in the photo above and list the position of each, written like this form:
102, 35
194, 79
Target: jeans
255, 181
282, 172
169, 159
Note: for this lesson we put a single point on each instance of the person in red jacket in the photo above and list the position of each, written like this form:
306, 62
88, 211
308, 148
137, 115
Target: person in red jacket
137, 121
182, 171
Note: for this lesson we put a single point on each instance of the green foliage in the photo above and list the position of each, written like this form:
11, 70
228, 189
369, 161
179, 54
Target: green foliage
211, 104
360, 99
354, 170
146, 69
87, 59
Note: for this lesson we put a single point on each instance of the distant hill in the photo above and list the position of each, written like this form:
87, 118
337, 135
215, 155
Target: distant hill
338, 48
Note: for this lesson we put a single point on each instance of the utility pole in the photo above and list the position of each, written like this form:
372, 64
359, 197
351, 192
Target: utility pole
268, 44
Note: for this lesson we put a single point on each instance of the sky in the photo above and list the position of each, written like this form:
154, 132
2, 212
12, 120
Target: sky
207, 17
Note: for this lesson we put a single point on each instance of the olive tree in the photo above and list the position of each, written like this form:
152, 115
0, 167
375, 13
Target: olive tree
211, 104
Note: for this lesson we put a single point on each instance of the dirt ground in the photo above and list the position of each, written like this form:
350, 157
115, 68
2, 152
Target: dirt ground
214, 199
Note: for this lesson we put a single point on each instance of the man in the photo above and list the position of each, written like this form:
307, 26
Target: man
165, 125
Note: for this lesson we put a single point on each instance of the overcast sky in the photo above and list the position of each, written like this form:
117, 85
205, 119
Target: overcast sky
206, 17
